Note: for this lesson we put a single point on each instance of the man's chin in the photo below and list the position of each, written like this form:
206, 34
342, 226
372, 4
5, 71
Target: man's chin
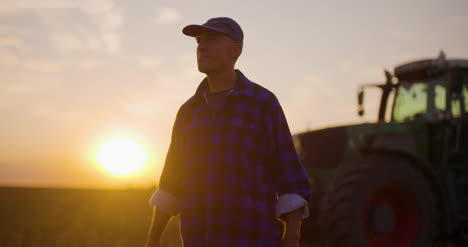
203, 69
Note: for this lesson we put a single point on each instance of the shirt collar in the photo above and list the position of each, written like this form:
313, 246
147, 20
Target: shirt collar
241, 86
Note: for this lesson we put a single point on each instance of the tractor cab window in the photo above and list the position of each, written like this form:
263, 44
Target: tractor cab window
429, 100
410, 101
424, 100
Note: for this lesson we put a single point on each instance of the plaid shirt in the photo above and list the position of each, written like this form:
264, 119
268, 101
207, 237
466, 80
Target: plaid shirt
228, 168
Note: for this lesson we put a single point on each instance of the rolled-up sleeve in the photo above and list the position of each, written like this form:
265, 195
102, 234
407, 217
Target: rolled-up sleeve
165, 202
290, 202
293, 185
167, 195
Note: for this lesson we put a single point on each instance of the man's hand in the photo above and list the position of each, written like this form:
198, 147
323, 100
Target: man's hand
152, 242
158, 224
289, 243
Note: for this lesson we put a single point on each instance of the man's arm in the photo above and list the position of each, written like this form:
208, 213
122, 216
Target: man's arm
292, 226
158, 224
291, 209
165, 200
293, 185
165, 206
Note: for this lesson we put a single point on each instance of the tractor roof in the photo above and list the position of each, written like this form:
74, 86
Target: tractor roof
418, 70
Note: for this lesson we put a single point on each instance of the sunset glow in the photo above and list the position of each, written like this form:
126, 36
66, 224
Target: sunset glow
122, 156
77, 74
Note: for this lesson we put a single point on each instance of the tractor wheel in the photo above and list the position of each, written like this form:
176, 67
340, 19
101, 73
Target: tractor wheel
380, 201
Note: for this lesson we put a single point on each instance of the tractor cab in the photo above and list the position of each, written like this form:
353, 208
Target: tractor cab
425, 90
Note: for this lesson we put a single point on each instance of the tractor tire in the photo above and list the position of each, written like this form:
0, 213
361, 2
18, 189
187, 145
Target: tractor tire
380, 201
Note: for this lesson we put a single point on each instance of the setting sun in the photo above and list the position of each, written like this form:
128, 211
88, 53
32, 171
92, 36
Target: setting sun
122, 156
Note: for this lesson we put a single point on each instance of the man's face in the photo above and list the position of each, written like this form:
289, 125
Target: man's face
216, 52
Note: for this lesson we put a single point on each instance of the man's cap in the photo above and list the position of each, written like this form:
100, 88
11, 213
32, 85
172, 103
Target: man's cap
223, 25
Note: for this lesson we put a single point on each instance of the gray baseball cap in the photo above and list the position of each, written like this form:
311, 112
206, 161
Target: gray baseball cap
224, 25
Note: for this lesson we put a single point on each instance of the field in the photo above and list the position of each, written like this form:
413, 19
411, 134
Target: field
77, 217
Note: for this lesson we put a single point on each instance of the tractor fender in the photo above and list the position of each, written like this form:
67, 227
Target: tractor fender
439, 187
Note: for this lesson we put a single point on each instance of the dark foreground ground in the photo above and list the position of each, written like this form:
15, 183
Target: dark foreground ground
77, 217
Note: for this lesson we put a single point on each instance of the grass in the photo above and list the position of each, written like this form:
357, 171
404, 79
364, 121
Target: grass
78, 217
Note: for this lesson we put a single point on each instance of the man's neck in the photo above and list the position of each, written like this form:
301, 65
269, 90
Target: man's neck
221, 81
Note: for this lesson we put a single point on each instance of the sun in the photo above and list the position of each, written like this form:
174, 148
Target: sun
122, 156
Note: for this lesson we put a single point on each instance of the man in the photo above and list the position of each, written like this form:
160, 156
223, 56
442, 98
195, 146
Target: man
231, 170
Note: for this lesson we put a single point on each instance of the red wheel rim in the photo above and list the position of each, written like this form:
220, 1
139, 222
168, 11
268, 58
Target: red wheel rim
401, 213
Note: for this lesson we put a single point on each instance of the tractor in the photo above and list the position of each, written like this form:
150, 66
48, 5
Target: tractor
403, 180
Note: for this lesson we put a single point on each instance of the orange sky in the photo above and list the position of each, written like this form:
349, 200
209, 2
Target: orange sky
76, 72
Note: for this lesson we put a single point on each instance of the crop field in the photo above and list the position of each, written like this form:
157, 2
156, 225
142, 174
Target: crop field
78, 217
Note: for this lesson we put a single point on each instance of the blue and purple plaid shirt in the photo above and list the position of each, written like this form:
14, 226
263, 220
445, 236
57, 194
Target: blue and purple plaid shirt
228, 168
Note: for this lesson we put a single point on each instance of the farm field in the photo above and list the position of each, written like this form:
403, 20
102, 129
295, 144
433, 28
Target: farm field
77, 217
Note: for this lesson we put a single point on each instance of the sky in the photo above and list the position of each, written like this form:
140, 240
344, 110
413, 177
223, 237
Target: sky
73, 73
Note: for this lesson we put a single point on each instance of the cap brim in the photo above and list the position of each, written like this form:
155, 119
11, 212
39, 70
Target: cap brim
194, 30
